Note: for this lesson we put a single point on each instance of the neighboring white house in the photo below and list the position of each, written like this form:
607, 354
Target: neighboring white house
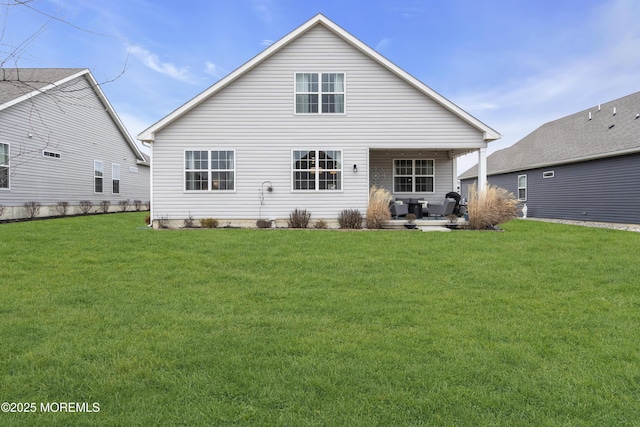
61, 141
318, 117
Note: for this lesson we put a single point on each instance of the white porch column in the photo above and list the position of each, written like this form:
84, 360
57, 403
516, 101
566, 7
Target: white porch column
454, 184
482, 170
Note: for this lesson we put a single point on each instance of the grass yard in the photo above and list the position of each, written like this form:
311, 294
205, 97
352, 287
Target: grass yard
538, 325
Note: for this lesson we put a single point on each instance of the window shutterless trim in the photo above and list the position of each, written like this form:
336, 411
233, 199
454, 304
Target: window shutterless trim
5, 165
316, 170
115, 178
98, 175
522, 187
413, 175
209, 170
319, 93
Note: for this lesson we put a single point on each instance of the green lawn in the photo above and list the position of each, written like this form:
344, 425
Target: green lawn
537, 325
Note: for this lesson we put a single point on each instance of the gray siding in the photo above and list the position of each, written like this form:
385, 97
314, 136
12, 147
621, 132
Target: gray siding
70, 120
255, 116
599, 190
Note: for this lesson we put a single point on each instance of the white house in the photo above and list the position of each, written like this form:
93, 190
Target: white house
61, 141
317, 118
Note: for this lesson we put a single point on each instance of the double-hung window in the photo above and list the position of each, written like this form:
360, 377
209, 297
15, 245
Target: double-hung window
4, 166
320, 93
413, 176
317, 170
98, 176
522, 187
209, 170
115, 178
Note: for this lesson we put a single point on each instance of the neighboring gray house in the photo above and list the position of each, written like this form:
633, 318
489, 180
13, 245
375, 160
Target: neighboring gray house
585, 166
318, 117
61, 141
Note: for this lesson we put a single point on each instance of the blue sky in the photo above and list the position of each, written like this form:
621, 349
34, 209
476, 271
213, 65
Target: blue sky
514, 64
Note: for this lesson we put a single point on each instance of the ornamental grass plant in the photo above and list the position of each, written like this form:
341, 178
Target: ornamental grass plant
378, 209
490, 207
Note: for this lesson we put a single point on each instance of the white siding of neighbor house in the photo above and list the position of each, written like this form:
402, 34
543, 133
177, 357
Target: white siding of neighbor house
72, 121
254, 115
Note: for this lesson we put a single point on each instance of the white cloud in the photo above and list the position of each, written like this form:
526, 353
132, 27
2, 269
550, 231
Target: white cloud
211, 69
267, 42
152, 61
383, 44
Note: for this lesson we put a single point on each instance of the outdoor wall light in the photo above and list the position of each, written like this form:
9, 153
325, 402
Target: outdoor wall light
355, 168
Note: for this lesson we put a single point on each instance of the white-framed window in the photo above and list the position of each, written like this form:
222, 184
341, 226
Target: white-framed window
115, 178
548, 174
522, 187
209, 170
4, 166
320, 93
316, 170
98, 176
414, 175
51, 154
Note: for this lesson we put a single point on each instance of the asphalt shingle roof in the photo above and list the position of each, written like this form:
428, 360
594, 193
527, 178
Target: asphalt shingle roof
16, 82
589, 134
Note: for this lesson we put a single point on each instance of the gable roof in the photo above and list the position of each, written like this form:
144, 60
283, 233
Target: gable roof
594, 133
19, 84
148, 134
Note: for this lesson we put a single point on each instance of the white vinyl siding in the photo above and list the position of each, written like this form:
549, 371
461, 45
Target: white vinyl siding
4, 166
254, 115
72, 122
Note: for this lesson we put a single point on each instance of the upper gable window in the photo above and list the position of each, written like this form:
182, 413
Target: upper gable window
320, 93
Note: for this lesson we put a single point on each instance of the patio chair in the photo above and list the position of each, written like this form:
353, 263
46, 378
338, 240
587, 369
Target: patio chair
442, 209
398, 210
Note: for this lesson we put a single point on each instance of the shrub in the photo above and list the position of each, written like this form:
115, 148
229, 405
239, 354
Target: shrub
137, 204
299, 218
350, 219
188, 223
147, 219
32, 209
492, 207
321, 224
104, 206
62, 208
147, 205
208, 223
124, 204
2, 209
378, 210
85, 206
263, 223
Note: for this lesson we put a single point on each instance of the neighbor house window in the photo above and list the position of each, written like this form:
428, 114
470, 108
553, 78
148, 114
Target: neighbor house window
98, 176
51, 154
209, 170
320, 93
522, 187
4, 166
413, 176
317, 170
115, 178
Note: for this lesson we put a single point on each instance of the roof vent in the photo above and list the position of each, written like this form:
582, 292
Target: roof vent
589, 115
598, 107
637, 115
611, 127
614, 111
